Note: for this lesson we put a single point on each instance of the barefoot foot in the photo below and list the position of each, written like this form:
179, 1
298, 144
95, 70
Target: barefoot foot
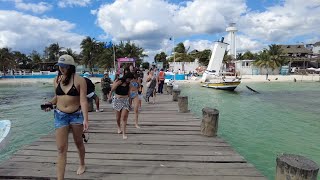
119, 131
137, 126
81, 169
124, 137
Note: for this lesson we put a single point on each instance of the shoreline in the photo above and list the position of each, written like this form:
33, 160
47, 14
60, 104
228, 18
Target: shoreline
244, 79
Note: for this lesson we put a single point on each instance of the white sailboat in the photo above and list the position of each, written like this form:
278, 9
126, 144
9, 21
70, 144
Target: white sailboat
213, 77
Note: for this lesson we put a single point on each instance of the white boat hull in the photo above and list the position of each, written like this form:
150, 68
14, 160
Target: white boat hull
223, 85
5, 126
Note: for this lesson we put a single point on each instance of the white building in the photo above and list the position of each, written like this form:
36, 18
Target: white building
246, 67
316, 48
184, 66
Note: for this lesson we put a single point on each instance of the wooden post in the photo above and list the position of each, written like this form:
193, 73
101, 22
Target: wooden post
183, 104
175, 94
295, 167
90, 104
169, 89
165, 88
209, 124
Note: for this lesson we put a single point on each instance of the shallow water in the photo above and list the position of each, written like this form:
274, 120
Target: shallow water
20, 103
283, 118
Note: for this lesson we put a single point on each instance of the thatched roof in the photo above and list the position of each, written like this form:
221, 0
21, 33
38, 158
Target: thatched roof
295, 49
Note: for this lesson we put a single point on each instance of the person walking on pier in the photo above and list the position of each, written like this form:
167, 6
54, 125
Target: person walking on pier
161, 81
134, 97
121, 101
106, 85
140, 94
151, 85
71, 112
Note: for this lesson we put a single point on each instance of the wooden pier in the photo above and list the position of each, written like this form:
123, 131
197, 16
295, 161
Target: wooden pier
168, 146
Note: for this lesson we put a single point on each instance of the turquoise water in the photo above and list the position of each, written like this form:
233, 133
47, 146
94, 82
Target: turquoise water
283, 118
20, 103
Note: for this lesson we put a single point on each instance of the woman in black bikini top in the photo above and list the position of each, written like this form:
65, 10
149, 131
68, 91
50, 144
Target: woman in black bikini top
71, 92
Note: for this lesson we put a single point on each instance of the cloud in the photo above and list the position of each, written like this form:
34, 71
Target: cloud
283, 22
150, 23
199, 45
38, 8
25, 33
73, 3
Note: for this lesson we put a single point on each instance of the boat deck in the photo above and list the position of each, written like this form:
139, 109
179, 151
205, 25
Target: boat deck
168, 146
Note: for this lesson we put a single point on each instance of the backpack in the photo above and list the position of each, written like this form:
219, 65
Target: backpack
90, 86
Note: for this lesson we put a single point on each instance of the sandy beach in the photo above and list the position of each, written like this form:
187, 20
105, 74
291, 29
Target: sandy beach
245, 78
271, 78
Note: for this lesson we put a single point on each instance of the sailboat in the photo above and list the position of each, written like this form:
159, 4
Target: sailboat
213, 77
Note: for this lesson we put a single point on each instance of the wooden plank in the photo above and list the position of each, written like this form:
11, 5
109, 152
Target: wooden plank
138, 157
142, 150
107, 162
152, 137
159, 170
109, 142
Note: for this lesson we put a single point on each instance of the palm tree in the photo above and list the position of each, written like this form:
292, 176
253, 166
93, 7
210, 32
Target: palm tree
276, 53
105, 59
6, 59
52, 52
202, 56
130, 50
72, 53
239, 56
22, 60
88, 46
162, 57
36, 58
264, 61
249, 55
181, 54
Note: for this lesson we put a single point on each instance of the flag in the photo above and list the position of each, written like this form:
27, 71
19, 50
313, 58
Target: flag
109, 44
170, 38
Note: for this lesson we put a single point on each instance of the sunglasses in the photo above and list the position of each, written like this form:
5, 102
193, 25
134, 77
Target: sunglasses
84, 137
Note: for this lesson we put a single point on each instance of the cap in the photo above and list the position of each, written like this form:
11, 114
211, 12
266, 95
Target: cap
65, 60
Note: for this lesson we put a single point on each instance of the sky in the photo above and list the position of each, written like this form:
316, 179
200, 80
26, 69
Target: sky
27, 25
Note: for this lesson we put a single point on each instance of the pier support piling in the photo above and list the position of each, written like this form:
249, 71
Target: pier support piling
209, 123
295, 167
183, 104
175, 94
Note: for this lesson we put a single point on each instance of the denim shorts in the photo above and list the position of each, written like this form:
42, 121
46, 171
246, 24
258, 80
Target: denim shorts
62, 119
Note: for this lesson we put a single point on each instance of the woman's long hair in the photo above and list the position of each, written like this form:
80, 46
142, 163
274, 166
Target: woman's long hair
71, 70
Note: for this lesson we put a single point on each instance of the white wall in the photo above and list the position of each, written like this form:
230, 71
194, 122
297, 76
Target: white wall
245, 67
188, 66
